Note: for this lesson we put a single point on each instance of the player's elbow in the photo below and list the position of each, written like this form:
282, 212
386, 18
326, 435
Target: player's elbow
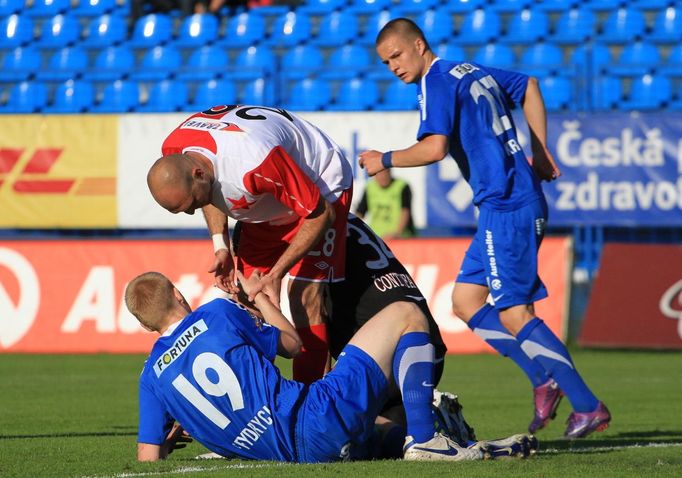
148, 452
437, 148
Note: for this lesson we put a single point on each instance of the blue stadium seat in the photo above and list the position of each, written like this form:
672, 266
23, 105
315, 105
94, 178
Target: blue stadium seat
673, 63
479, 27
166, 96
437, 25
676, 105
651, 4
496, 55
527, 26
26, 97
214, 92
290, 29
509, 6
72, 97
9, 7
648, 92
151, 30
321, 7
604, 5
65, 64
373, 25
636, 59
58, 32
399, 96
346, 62
667, 26
308, 95
356, 95
337, 29
118, 97
204, 63
47, 8
464, 6
557, 92
417, 7
15, 30
555, 5
300, 62
270, 12
197, 30
606, 92
258, 92
575, 26
622, 26
252, 63
94, 8
542, 59
369, 7
20, 64
591, 59
111, 64
243, 30
105, 31
158, 63
450, 51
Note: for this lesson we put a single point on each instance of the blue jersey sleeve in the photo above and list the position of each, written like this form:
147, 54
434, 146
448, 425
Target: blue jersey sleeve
514, 84
155, 422
438, 106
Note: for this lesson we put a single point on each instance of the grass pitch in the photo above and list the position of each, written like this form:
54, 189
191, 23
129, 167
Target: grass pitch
76, 416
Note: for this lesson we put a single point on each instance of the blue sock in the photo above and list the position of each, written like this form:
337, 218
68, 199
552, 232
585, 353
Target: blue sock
486, 324
413, 373
543, 346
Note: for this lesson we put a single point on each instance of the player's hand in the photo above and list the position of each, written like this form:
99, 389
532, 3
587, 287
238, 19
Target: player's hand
371, 161
177, 438
223, 270
268, 284
544, 165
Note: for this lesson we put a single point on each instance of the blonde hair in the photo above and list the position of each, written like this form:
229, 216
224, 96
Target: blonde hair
149, 297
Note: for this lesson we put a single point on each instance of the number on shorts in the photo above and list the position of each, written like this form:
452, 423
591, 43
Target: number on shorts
383, 252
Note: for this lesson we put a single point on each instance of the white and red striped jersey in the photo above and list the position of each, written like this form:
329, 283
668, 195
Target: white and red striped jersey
269, 164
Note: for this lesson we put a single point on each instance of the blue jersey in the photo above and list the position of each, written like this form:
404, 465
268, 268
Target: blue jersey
213, 373
471, 105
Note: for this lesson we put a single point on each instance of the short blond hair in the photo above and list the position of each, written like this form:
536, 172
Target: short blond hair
149, 297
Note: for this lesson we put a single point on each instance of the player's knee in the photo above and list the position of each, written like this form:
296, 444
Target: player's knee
461, 308
412, 316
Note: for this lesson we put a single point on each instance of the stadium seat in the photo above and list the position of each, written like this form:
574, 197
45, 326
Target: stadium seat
450, 51
118, 97
26, 97
105, 31
622, 26
214, 92
300, 62
308, 95
373, 25
437, 25
346, 62
321, 7
606, 92
151, 30
574, 26
166, 96
337, 29
158, 63
510, 6
676, 105
111, 64
651, 4
47, 8
604, 5
9, 7
667, 26
20, 64
94, 8
557, 92
197, 30
417, 7
204, 63
65, 64
368, 7
72, 97
270, 12
252, 63
527, 26
479, 27
399, 96
648, 92
243, 30
58, 32
15, 30
636, 59
496, 55
555, 5
464, 6
673, 63
290, 29
257, 92
356, 95
591, 59
542, 59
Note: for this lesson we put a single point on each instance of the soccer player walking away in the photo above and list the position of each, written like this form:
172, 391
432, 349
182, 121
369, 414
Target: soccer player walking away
465, 111
289, 185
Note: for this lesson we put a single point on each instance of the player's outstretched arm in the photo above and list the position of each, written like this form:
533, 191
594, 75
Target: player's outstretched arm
428, 150
223, 263
177, 438
536, 117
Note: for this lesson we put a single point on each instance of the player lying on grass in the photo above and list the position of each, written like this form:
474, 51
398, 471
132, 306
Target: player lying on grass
212, 370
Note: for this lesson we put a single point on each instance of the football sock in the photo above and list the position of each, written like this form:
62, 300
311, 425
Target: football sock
543, 346
486, 324
413, 373
309, 365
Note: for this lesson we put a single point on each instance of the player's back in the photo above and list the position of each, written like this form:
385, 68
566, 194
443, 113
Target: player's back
213, 373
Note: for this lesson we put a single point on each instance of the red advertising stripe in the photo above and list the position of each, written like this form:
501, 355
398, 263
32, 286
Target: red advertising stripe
47, 186
9, 158
42, 160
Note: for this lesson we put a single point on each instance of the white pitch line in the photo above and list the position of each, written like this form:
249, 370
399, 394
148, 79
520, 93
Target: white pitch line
591, 449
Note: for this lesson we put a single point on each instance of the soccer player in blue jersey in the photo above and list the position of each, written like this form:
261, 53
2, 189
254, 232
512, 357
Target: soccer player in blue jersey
466, 112
212, 370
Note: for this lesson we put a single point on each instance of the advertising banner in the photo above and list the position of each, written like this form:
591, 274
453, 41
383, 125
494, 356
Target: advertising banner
636, 299
67, 296
58, 171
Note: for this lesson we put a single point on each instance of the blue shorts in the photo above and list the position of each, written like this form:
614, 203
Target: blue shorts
503, 255
337, 416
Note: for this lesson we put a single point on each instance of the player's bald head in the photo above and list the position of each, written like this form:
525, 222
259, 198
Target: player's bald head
169, 178
150, 298
403, 28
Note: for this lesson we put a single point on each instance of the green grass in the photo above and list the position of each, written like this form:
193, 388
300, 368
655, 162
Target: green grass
74, 416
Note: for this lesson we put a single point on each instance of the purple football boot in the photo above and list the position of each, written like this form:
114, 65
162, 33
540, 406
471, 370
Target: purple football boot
546, 398
582, 424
